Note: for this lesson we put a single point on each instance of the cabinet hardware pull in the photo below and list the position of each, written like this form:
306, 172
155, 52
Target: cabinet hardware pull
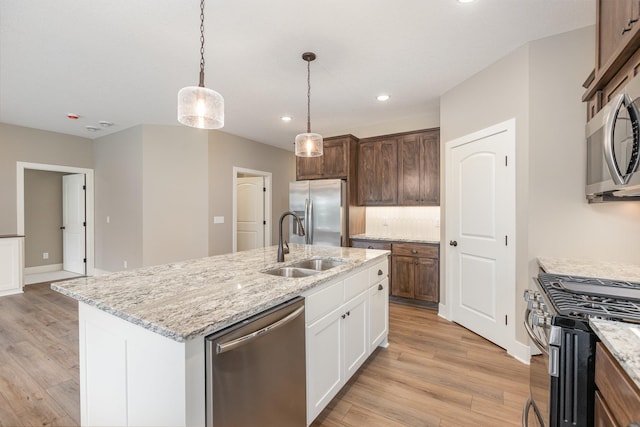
413, 251
369, 247
626, 30
379, 272
348, 313
343, 316
632, 21
453, 243
380, 287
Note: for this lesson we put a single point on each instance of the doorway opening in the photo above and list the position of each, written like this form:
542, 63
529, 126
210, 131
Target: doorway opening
251, 209
70, 235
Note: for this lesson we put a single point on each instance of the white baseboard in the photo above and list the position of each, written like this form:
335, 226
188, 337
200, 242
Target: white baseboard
520, 351
43, 269
443, 312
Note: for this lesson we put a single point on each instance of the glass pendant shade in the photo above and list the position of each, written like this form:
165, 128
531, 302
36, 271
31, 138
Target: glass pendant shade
308, 145
200, 107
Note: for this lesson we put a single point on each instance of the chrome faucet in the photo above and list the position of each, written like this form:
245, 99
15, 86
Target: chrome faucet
281, 248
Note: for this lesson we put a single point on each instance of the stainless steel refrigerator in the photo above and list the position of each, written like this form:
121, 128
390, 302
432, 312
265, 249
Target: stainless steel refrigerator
320, 204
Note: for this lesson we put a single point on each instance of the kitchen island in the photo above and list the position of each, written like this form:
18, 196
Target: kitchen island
142, 332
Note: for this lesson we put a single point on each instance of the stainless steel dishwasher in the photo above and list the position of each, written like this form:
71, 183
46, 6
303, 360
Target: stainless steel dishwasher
256, 370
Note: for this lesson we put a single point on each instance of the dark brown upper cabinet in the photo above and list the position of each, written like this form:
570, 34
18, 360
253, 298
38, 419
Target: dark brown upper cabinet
333, 164
419, 169
378, 172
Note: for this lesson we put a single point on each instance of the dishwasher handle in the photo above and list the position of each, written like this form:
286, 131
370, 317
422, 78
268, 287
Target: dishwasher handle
228, 346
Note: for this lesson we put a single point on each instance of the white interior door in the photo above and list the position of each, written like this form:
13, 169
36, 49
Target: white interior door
73, 222
481, 233
250, 213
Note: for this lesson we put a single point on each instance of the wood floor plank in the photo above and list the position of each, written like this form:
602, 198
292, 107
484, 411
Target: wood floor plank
434, 372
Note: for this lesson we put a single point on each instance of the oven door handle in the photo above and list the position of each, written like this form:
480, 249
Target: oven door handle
532, 335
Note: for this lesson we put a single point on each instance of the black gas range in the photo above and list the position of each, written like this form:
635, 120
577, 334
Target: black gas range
557, 321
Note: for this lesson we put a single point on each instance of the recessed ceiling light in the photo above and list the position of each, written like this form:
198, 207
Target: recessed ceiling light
105, 124
465, 1
92, 128
73, 116
285, 118
383, 97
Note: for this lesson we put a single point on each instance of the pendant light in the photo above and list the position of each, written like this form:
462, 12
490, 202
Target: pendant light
198, 106
308, 144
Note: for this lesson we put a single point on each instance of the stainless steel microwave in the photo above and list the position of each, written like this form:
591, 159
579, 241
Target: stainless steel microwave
613, 138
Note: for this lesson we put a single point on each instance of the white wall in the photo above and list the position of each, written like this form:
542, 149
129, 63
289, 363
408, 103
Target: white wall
561, 222
540, 85
174, 188
118, 195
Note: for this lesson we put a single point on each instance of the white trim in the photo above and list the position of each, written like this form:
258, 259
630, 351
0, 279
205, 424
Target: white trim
509, 126
521, 352
89, 195
43, 269
443, 311
267, 204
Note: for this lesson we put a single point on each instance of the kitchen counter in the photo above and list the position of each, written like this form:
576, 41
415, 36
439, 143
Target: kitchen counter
623, 342
194, 298
410, 239
591, 268
10, 236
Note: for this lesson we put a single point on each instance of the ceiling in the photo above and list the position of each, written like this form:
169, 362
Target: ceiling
124, 61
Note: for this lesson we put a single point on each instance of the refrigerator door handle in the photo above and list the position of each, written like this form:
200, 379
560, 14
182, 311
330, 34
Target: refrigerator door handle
306, 221
310, 223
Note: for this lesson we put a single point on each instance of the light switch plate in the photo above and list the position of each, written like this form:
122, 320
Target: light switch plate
218, 220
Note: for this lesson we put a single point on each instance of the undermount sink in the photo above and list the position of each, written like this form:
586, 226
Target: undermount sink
319, 264
304, 268
291, 272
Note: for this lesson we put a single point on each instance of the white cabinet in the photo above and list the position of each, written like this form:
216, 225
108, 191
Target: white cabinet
11, 264
341, 318
379, 317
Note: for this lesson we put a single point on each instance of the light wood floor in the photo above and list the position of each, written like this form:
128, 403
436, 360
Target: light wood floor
434, 373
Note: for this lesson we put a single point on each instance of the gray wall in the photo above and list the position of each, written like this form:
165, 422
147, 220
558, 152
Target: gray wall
118, 195
540, 85
174, 189
227, 151
42, 217
35, 146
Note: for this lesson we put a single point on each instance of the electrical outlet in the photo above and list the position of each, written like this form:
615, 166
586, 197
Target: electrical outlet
124, 264
45, 255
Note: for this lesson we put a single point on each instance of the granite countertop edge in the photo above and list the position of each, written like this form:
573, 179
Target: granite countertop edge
622, 343
590, 268
163, 299
395, 239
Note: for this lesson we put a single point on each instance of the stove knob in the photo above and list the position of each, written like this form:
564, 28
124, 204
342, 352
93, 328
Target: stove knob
533, 305
539, 297
530, 295
539, 318
544, 308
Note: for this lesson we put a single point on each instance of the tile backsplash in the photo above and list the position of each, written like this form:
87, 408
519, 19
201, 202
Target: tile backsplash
421, 222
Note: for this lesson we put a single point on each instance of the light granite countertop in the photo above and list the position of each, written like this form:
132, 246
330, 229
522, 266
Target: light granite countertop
591, 268
409, 239
623, 342
184, 300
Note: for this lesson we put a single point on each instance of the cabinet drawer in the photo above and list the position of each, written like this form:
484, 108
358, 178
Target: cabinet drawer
378, 272
371, 244
411, 249
620, 394
323, 301
355, 284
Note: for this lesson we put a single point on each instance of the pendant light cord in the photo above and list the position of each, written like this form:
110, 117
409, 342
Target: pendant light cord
201, 43
308, 96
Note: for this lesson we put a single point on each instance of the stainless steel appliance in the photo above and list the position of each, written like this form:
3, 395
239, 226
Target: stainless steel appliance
557, 321
255, 370
320, 204
613, 138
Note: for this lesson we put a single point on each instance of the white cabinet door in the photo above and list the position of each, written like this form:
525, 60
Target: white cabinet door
324, 362
356, 337
379, 313
11, 265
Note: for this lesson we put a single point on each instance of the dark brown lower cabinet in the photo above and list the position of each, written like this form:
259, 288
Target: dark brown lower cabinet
414, 269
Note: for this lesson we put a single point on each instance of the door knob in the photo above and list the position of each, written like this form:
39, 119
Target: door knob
380, 287
453, 243
380, 273
63, 227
